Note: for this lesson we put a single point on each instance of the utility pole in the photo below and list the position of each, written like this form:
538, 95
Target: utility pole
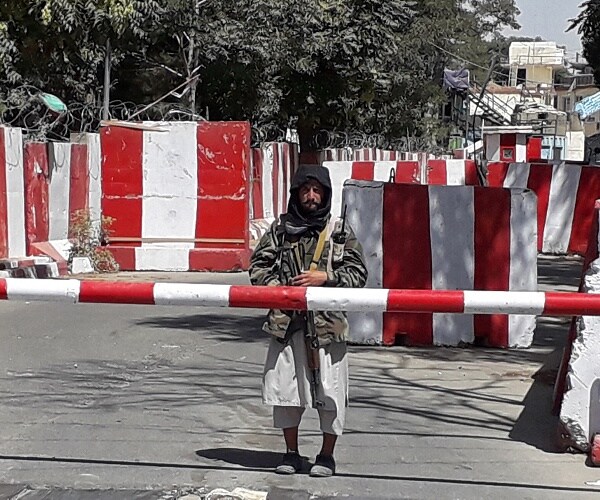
106, 106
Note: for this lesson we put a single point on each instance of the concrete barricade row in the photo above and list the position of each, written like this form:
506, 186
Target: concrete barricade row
577, 386
273, 166
566, 195
444, 237
179, 195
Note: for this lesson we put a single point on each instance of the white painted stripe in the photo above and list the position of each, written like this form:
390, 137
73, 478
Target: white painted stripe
170, 194
455, 173
15, 192
177, 294
94, 165
365, 217
158, 257
517, 175
523, 261
267, 181
342, 299
452, 223
485, 302
561, 208
43, 290
339, 171
281, 187
382, 170
59, 190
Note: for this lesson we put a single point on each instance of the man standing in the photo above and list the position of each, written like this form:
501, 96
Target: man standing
306, 364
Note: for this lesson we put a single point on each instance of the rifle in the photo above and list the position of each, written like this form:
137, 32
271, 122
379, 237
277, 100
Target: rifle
311, 342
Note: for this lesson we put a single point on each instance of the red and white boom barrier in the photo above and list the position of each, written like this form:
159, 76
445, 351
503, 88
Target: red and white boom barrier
298, 298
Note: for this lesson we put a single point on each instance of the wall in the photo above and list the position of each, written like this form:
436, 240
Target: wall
12, 204
179, 194
273, 165
566, 194
444, 237
576, 393
443, 172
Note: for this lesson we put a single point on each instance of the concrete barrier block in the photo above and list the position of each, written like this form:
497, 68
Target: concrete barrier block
580, 411
81, 265
48, 270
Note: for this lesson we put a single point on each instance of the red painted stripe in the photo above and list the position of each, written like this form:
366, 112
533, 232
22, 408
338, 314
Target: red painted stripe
497, 172
442, 301
80, 179
3, 289
407, 172
223, 182
406, 258
588, 192
257, 180
124, 255
363, 170
540, 177
36, 178
275, 173
116, 292
122, 181
471, 178
3, 198
592, 252
268, 297
436, 172
492, 257
571, 304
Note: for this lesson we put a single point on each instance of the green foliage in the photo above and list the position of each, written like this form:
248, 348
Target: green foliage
588, 26
367, 66
59, 45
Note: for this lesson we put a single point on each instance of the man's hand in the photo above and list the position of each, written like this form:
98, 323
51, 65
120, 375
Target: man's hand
310, 278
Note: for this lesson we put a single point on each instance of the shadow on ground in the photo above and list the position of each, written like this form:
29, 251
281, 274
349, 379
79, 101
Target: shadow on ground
221, 327
255, 459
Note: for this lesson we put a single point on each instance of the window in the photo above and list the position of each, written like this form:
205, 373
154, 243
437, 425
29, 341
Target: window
521, 76
507, 154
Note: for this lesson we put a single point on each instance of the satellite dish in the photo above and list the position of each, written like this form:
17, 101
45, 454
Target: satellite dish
53, 103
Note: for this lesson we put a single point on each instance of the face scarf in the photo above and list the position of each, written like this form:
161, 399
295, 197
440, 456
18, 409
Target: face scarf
297, 222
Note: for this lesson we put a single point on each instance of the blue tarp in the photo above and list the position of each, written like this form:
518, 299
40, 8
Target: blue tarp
588, 106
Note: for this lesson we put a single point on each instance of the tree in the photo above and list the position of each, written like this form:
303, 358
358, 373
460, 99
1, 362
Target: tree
59, 45
588, 26
371, 68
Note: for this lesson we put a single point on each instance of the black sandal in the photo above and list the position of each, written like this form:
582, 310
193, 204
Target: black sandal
324, 466
290, 463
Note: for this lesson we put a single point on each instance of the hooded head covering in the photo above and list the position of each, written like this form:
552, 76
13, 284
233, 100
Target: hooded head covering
295, 220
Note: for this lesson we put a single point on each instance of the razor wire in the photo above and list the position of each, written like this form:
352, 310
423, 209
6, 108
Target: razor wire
334, 139
23, 107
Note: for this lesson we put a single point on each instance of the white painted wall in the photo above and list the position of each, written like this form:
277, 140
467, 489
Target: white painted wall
452, 258
59, 190
561, 208
170, 197
367, 201
523, 268
15, 196
580, 411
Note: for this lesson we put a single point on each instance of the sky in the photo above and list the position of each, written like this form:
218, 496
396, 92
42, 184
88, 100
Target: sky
549, 19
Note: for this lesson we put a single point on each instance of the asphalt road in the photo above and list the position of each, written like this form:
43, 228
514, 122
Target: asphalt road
167, 399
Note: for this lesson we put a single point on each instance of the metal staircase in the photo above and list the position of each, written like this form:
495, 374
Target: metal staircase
493, 109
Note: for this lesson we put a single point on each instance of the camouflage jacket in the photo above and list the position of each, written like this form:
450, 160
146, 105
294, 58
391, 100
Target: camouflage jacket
272, 265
